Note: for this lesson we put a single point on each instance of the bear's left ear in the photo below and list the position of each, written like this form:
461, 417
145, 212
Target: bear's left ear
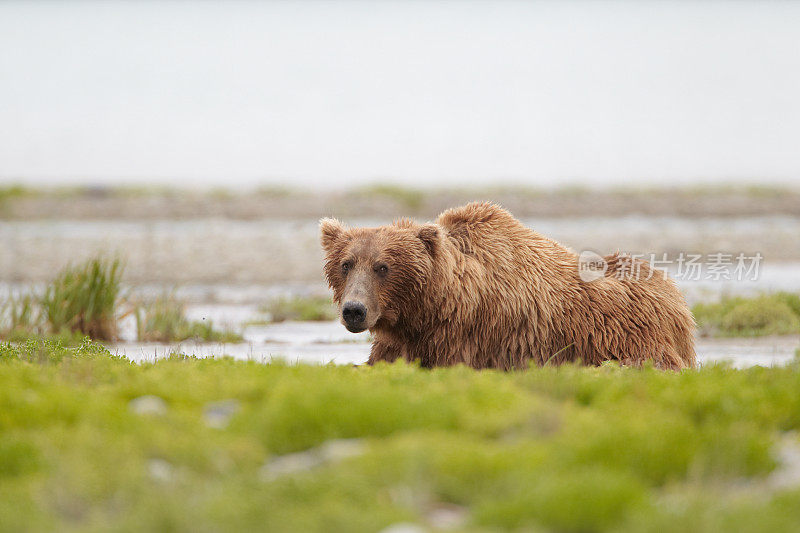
330, 230
429, 235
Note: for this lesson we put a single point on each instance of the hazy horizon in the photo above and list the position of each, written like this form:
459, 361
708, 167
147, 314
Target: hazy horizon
338, 94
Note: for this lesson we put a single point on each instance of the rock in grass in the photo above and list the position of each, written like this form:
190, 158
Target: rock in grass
336, 450
159, 470
403, 527
447, 517
148, 405
218, 414
330, 451
787, 475
290, 464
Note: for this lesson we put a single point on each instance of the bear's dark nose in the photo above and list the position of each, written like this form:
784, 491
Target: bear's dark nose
354, 315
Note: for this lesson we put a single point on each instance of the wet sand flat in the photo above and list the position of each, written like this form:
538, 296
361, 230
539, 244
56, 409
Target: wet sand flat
224, 251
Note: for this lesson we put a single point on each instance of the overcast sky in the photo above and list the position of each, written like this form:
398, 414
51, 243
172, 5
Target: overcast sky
333, 94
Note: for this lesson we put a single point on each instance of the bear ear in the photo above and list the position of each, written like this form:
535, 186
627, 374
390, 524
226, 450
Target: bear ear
330, 230
429, 235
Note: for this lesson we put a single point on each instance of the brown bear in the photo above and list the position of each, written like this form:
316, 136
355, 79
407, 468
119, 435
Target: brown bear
479, 288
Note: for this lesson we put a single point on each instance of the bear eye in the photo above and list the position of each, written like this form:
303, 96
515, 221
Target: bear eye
347, 266
382, 269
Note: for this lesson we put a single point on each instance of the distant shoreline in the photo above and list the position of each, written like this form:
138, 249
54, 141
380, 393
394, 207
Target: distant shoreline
163, 203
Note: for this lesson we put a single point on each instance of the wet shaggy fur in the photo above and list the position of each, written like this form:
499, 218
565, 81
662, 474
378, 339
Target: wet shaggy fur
479, 288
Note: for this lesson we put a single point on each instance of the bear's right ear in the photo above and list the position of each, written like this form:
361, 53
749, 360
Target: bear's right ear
330, 230
429, 235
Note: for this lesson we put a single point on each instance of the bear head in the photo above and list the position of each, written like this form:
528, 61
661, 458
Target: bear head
378, 274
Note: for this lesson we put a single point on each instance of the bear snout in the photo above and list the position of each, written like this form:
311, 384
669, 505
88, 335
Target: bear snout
354, 315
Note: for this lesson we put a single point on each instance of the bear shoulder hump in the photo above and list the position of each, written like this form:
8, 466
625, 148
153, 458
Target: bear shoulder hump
474, 214
465, 223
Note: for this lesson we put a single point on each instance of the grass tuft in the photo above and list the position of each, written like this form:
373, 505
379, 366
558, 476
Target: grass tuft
302, 308
164, 320
20, 317
84, 298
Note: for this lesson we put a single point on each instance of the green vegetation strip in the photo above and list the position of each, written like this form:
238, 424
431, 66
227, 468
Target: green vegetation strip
92, 442
767, 314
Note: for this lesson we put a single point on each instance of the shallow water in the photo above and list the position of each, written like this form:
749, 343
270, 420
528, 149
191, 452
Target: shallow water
330, 342
308, 342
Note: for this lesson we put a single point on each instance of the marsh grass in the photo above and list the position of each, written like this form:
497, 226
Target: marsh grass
164, 320
302, 308
21, 320
22, 312
83, 299
565, 448
767, 314
19, 315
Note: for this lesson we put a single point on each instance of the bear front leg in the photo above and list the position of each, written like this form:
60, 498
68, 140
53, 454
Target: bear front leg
383, 352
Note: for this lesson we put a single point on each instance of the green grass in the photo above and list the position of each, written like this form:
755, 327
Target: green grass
164, 320
767, 314
305, 308
81, 301
20, 317
84, 299
548, 449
